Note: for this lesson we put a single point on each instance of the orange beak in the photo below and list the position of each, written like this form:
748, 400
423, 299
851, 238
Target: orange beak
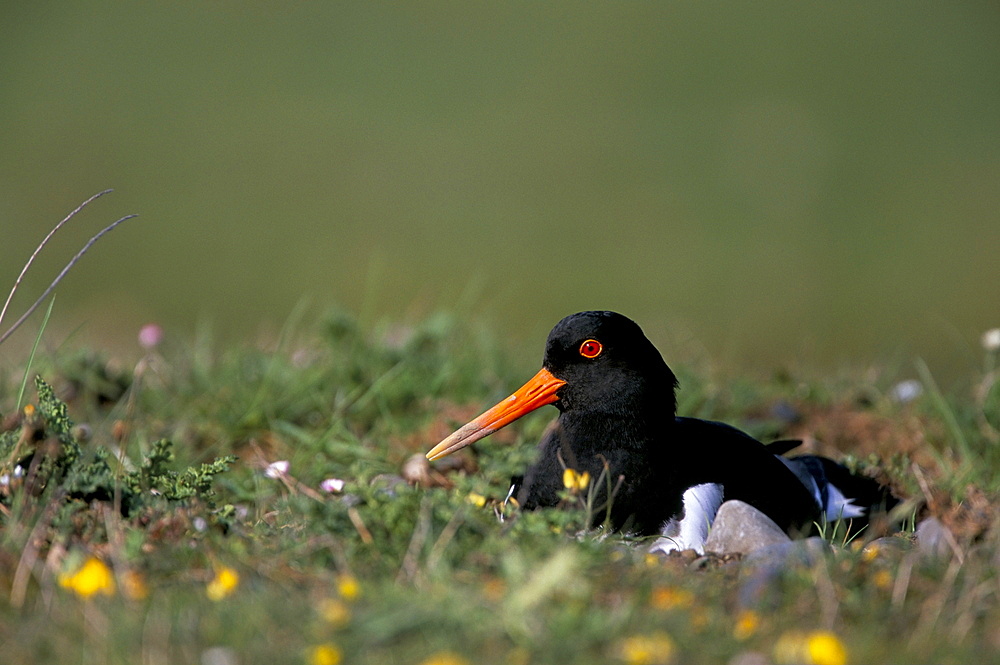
538, 391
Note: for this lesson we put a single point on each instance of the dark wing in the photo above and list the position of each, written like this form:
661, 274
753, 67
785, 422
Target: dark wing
748, 471
842, 494
783, 446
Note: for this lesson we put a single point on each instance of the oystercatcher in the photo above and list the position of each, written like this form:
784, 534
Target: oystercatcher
617, 404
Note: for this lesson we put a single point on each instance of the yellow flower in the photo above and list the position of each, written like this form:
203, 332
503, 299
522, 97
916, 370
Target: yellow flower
224, 583
134, 585
575, 481
668, 598
870, 552
747, 624
444, 658
653, 649
335, 612
699, 618
494, 589
91, 578
882, 579
477, 500
819, 647
825, 648
324, 654
348, 587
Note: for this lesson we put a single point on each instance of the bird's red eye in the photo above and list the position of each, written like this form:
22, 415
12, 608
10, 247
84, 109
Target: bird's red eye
591, 348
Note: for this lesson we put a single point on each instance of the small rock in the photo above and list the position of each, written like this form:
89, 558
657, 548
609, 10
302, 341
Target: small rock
417, 471
739, 527
792, 553
934, 539
219, 656
762, 567
689, 555
389, 483
749, 658
700, 563
351, 500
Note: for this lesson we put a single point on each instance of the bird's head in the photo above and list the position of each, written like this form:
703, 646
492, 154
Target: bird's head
600, 362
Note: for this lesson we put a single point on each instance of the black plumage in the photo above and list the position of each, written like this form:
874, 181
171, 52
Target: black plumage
616, 398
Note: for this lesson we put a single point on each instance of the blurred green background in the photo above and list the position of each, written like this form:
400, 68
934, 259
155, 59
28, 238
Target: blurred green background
770, 183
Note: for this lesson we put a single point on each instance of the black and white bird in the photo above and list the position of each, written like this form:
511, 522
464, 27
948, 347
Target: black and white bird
617, 407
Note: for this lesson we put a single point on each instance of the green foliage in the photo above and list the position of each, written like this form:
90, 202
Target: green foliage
439, 569
90, 375
77, 477
154, 476
56, 416
7, 442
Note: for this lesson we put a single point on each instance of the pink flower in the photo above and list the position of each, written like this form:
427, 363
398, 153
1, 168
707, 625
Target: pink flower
332, 485
277, 469
150, 336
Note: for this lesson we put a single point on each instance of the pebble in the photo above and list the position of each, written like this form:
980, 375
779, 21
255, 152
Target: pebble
749, 658
741, 528
389, 483
934, 539
762, 567
786, 555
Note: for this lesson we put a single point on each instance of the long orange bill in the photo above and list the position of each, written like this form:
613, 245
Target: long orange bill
538, 391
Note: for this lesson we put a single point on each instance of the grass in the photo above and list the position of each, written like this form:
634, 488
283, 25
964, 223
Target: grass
249, 566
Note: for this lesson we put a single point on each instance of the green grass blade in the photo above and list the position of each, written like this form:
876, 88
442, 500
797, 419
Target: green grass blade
947, 413
31, 356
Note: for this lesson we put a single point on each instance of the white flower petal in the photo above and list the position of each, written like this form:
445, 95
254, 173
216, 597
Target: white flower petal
277, 469
906, 391
332, 485
991, 340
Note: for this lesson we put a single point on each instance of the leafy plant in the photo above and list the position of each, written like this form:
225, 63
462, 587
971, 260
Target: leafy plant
58, 466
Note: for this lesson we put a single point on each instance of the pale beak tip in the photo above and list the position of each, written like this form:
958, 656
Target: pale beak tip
442, 449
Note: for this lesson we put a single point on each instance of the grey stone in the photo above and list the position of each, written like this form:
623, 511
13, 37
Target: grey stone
934, 539
389, 483
749, 658
739, 527
788, 554
762, 567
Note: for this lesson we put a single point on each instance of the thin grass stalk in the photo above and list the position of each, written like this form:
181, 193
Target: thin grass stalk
31, 356
947, 413
17, 282
62, 274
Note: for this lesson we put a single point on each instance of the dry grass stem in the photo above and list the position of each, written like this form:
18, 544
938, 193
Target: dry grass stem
59, 277
42, 244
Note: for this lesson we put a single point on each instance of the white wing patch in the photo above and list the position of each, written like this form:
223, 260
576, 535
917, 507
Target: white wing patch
839, 506
701, 503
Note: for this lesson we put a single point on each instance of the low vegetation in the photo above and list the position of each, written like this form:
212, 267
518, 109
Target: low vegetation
272, 505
